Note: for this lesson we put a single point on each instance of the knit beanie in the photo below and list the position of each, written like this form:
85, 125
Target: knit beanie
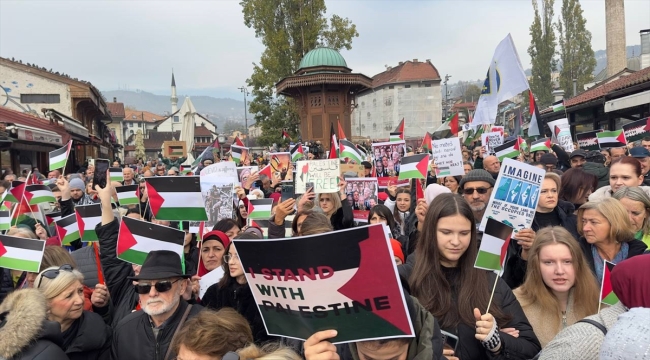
397, 249
477, 175
629, 337
434, 190
77, 183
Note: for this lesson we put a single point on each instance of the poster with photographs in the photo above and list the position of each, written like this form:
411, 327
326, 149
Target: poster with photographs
244, 172
515, 195
281, 165
218, 198
361, 194
387, 159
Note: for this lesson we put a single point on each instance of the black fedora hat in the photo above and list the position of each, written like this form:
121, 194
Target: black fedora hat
161, 264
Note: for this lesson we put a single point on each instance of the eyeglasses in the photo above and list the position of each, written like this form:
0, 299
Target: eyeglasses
160, 286
52, 274
229, 257
481, 190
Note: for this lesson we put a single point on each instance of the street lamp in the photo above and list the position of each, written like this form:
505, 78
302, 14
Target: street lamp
447, 77
246, 93
222, 140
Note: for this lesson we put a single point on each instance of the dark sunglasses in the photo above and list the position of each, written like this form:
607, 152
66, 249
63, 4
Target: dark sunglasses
470, 191
161, 287
52, 274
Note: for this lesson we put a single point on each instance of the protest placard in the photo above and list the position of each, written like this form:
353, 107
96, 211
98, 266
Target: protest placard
244, 172
448, 157
224, 169
361, 193
491, 140
323, 174
515, 195
588, 140
343, 280
561, 132
636, 130
217, 195
210, 279
350, 168
387, 158
280, 165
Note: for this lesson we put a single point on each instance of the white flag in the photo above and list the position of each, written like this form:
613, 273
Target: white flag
505, 79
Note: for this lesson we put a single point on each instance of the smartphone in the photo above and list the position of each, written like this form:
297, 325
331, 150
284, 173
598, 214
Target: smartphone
309, 185
288, 190
99, 177
449, 341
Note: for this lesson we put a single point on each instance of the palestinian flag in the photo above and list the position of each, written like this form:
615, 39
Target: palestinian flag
611, 139
88, 217
260, 208
175, 150
21, 253
238, 142
16, 192
541, 145
39, 194
297, 152
351, 267
137, 238
341, 132
400, 128
558, 106
52, 217
237, 153
494, 246
588, 141
523, 145
607, 295
443, 171
5, 220
186, 169
176, 198
127, 195
59, 157
116, 174
533, 112
285, 135
395, 136
475, 133
68, 229
426, 142
350, 151
334, 144
448, 128
266, 171
414, 167
510, 150
215, 145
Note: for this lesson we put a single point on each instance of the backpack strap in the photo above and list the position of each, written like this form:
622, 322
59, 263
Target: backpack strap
596, 324
180, 325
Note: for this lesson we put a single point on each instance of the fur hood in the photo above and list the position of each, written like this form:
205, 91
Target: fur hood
24, 311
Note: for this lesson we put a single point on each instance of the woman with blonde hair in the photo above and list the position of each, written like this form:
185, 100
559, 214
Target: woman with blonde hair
606, 234
338, 212
271, 351
637, 203
559, 288
85, 336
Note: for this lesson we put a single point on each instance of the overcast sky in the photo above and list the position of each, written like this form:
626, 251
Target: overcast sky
135, 44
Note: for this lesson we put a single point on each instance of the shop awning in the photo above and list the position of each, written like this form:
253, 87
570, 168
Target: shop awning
30, 128
74, 127
641, 98
28, 133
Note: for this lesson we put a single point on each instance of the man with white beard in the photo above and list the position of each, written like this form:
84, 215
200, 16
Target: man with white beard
148, 333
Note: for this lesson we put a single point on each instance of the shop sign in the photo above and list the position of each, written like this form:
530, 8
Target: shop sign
38, 136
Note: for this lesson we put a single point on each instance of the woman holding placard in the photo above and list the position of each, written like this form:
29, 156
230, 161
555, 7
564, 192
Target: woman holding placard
446, 283
339, 212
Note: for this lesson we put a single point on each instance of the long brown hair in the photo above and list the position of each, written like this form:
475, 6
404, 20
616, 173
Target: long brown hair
535, 291
428, 282
396, 212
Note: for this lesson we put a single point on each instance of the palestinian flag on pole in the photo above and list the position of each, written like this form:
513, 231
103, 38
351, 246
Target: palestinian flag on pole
137, 238
238, 142
236, 153
558, 106
533, 112
52, 217
400, 129
611, 139
68, 229
351, 266
350, 151
510, 150
448, 128
39, 194
426, 142
176, 198
334, 144
285, 135
395, 136
16, 192
213, 146
127, 195
341, 132
21, 253
494, 246
541, 145
116, 174
414, 167
260, 208
607, 295
5, 220
297, 152
88, 217
523, 145
59, 157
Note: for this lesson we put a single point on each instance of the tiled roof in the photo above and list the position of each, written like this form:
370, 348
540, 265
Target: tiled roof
156, 139
139, 115
16, 117
202, 131
116, 109
407, 72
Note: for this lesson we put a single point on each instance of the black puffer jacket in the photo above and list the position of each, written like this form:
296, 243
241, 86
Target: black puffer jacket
7, 282
25, 334
240, 298
343, 218
91, 340
87, 264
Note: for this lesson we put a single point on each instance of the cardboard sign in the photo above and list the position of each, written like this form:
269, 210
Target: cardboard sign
491, 140
561, 134
176, 149
210, 279
636, 130
342, 280
357, 168
387, 158
515, 195
361, 193
448, 157
322, 175
588, 141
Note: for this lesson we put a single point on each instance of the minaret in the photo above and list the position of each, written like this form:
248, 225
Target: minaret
174, 99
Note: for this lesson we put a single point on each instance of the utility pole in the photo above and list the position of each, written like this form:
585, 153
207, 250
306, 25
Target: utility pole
447, 77
246, 93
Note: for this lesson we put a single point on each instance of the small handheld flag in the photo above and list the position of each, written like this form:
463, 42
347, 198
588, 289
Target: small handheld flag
334, 144
510, 150
400, 128
39, 194
16, 192
285, 135
237, 153
137, 238
494, 246
607, 295
426, 142
116, 174
88, 217
414, 167
395, 136
176, 198
238, 142
341, 132
611, 139
260, 209
68, 229
350, 151
59, 157
558, 106
297, 152
541, 145
21, 253
127, 195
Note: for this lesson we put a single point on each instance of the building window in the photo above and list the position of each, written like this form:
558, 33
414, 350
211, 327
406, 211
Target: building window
427, 85
139, 125
40, 98
407, 86
130, 124
391, 87
176, 119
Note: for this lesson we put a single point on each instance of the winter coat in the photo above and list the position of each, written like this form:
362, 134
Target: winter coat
563, 159
240, 298
636, 247
116, 273
606, 192
582, 340
133, 337
276, 231
87, 264
343, 218
92, 340
7, 282
25, 332
514, 272
600, 170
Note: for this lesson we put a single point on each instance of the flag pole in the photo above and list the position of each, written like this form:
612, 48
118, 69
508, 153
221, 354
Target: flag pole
496, 279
